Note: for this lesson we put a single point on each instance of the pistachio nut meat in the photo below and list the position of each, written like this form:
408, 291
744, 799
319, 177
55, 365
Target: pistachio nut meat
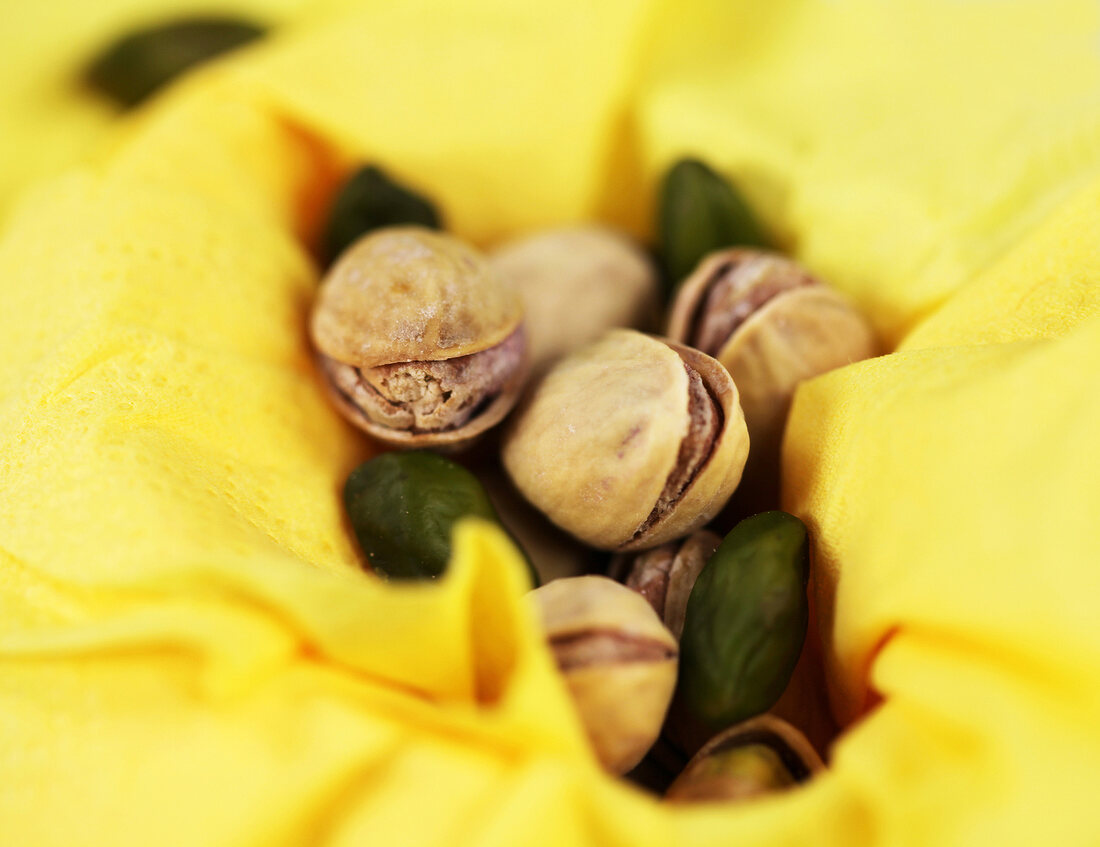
666, 574
403, 508
419, 343
576, 284
142, 61
629, 442
618, 660
754, 758
700, 211
744, 626
371, 199
772, 325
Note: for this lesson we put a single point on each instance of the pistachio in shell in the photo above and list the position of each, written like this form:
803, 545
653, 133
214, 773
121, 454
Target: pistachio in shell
629, 442
666, 574
758, 757
744, 626
368, 200
699, 212
140, 62
576, 284
403, 508
419, 343
772, 325
618, 660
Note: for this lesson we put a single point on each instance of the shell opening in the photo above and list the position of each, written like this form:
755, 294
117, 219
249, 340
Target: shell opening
705, 425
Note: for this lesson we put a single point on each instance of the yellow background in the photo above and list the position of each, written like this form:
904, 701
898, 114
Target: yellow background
189, 652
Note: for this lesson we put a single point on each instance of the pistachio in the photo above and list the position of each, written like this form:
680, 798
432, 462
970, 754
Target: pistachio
772, 325
618, 661
744, 626
419, 343
140, 62
629, 442
403, 507
757, 757
371, 200
665, 575
575, 285
700, 212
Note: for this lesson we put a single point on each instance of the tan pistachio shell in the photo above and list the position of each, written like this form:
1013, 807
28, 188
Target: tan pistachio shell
598, 438
577, 283
798, 335
790, 760
618, 661
409, 294
801, 333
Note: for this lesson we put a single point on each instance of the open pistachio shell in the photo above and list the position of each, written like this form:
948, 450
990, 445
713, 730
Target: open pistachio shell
757, 757
576, 284
618, 660
419, 342
629, 442
666, 574
772, 325
788, 327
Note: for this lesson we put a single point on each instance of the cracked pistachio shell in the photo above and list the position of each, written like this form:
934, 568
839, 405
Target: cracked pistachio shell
665, 575
618, 660
408, 294
757, 757
408, 308
595, 443
576, 284
804, 330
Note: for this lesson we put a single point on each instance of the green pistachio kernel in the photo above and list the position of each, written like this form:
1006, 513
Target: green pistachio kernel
700, 212
137, 64
745, 622
370, 200
403, 507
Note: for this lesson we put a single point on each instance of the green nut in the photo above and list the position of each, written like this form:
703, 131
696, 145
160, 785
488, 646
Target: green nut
370, 200
403, 507
700, 212
139, 63
745, 623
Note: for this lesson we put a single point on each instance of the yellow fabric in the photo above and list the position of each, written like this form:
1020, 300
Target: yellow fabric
189, 652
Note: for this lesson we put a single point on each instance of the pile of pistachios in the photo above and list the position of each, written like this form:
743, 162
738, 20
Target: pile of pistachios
523, 387
624, 447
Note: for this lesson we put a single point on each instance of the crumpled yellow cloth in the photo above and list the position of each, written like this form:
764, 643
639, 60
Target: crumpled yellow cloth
189, 651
